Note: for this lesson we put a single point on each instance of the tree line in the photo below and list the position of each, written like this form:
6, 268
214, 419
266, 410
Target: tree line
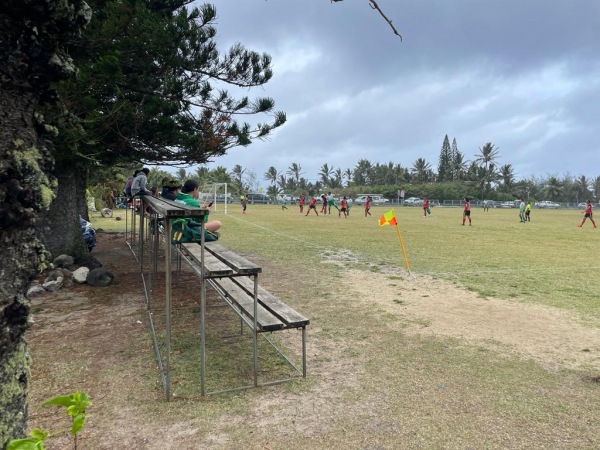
456, 176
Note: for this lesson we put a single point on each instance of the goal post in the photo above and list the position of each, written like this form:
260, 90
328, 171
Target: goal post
218, 195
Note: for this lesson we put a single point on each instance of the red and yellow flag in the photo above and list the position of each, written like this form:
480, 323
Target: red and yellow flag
388, 219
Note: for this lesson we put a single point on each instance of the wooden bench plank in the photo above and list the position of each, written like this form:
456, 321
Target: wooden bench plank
265, 320
288, 315
213, 267
238, 263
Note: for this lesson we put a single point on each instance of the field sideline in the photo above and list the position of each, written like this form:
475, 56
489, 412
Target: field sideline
547, 261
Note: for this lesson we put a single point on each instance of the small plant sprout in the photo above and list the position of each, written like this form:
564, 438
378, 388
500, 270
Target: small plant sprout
75, 404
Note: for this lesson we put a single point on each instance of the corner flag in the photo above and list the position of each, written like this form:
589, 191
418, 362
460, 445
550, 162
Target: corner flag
388, 219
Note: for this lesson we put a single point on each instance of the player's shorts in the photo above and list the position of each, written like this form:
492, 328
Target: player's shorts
312, 207
343, 210
527, 213
468, 213
588, 215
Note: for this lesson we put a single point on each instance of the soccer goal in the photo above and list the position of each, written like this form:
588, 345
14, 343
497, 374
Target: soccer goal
218, 195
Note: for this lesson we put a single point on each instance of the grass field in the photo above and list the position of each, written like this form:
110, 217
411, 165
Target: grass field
548, 261
375, 379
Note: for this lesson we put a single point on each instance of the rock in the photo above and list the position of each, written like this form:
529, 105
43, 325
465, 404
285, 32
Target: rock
53, 285
35, 289
67, 278
106, 212
100, 277
117, 218
88, 261
80, 275
63, 261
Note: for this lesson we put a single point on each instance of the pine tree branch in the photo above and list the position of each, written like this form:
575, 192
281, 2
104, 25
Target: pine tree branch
373, 4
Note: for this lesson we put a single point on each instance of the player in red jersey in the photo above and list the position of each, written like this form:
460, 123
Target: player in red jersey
301, 202
425, 206
588, 214
368, 206
312, 205
467, 211
344, 208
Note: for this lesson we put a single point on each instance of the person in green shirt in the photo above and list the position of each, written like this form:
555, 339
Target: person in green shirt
521, 211
189, 196
528, 212
283, 203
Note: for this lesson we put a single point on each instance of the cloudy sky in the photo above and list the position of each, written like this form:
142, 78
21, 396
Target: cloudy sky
522, 74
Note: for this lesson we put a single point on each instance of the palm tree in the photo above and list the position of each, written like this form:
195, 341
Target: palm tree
219, 175
421, 170
487, 155
363, 173
582, 186
348, 176
507, 177
459, 166
238, 179
271, 175
182, 174
295, 170
596, 187
281, 182
553, 188
325, 173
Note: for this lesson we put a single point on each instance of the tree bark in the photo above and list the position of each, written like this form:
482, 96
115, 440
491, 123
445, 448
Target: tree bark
32, 33
59, 228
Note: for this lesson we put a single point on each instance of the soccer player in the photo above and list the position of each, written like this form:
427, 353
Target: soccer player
588, 214
283, 203
312, 205
521, 211
425, 206
331, 202
324, 207
344, 208
528, 211
467, 211
301, 202
368, 206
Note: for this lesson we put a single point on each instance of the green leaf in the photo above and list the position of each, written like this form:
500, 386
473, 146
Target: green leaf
39, 434
78, 422
26, 444
62, 400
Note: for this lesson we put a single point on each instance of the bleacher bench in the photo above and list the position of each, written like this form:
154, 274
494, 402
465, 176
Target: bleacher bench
232, 277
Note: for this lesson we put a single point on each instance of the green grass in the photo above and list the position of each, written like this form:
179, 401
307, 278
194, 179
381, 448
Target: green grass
548, 261
400, 389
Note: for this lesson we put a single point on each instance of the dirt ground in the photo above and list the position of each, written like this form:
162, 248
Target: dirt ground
99, 325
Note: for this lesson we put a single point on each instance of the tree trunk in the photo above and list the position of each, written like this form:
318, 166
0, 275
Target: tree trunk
59, 228
32, 33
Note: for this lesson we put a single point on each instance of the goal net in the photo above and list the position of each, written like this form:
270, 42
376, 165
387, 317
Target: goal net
216, 193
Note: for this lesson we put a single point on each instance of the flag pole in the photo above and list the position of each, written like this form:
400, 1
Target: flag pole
402, 246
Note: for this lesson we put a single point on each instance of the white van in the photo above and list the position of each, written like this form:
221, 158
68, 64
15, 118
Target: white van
376, 199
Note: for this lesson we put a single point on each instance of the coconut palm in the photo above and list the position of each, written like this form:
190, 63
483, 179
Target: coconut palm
582, 186
459, 166
295, 170
271, 175
487, 155
421, 170
553, 188
181, 174
348, 176
325, 173
506, 177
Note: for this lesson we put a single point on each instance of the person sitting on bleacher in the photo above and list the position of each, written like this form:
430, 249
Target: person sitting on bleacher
189, 196
170, 189
138, 186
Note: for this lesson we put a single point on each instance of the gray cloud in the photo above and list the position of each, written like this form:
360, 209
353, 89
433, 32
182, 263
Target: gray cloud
522, 75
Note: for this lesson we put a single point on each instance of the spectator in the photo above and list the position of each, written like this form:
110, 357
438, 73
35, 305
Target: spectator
170, 189
138, 186
189, 195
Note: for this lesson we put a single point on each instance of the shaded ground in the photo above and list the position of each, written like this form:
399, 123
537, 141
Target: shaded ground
96, 340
